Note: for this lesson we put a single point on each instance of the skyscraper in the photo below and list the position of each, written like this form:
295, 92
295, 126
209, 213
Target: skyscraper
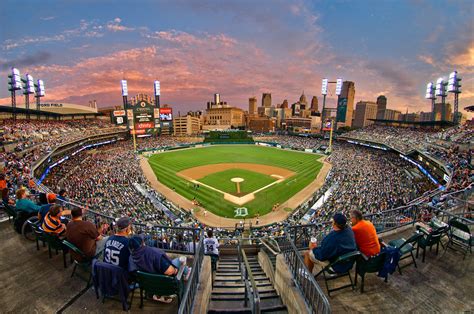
303, 100
284, 104
266, 100
314, 104
252, 105
381, 102
345, 104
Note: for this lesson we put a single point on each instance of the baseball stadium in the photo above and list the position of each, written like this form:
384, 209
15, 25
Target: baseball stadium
314, 205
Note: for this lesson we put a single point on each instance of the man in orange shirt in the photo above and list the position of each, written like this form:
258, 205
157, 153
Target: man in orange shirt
365, 234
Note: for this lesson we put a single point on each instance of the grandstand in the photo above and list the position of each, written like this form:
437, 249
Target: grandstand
408, 184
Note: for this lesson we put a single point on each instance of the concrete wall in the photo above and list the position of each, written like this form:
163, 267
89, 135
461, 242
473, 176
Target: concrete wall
285, 286
267, 266
203, 292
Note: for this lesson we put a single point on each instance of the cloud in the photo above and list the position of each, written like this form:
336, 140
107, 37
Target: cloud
115, 26
47, 18
426, 59
398, 78
40, 57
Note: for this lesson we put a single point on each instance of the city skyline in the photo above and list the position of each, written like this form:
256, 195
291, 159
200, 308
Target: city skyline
239, 49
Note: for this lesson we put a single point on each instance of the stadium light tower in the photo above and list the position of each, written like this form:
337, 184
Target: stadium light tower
14, 85
28, 88
454, 87
124, 94
39, 93
430, 94
157, 94
324, 92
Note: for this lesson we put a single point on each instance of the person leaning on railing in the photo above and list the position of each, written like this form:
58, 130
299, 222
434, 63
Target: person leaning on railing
155, 261
84, 234
337, 243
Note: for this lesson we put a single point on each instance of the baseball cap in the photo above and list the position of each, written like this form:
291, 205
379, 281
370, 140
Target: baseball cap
340, 219
123, 222
135, 242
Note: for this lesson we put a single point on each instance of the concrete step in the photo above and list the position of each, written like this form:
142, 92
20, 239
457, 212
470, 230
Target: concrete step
238, 279
227, 285
241, 296
241, 291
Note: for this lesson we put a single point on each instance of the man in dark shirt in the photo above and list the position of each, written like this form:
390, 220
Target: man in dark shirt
153, 260
116, 250
84, 234
337, 243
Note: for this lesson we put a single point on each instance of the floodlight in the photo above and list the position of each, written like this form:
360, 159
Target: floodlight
430, 91
440, 90
124, 88
16, 79
30, 85
453, 82
157, 88
338, 86
324, 87
40, 92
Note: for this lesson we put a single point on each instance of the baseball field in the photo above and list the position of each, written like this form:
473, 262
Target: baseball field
224, 178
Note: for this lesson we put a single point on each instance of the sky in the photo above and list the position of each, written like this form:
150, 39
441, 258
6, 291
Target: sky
82, 49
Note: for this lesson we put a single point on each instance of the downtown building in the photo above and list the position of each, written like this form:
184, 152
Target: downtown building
365, 113
345, 105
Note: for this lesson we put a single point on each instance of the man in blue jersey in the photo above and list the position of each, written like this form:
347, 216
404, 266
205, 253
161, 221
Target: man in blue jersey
116, 250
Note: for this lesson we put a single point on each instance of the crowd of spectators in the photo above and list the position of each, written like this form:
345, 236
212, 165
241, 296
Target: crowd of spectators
294, 142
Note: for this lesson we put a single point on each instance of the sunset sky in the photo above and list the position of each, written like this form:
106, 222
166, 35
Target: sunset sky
82, 49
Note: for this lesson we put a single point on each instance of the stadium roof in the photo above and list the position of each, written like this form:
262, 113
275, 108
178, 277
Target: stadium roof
414, 123
19, 110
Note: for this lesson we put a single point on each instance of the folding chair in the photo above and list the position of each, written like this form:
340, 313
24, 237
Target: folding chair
406, 248
329, 274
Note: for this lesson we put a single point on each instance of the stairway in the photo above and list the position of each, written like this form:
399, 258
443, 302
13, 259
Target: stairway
228, 293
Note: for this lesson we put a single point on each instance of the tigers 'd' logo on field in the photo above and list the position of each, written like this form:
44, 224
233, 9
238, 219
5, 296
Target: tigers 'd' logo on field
241, 212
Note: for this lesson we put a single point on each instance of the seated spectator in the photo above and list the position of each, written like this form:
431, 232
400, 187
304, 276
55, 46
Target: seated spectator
116, 250
52, 222
211, 245
51, 199
365, 234
84, 234
23, 203
62, 195
337, 243
153, 260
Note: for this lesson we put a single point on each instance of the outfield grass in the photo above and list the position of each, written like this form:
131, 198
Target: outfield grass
306, 168
252, 181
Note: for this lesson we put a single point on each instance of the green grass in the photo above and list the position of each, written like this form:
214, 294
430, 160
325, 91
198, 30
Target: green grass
252, 181
305, 166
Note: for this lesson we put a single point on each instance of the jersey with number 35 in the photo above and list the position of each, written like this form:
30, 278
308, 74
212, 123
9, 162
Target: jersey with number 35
116, 251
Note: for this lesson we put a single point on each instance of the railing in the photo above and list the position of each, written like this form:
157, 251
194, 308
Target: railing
251, 285
314, 297
187, 302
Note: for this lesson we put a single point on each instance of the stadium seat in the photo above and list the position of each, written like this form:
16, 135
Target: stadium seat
329, 274
429, 239
38, 233
366, 265
55, 243
161, 285
460, 237
111, 280
406, 248
81, 260
10, 210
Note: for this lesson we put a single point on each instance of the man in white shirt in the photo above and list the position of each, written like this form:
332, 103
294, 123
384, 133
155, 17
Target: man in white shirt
211, 245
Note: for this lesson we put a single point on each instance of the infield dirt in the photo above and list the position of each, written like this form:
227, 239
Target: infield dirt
210, 219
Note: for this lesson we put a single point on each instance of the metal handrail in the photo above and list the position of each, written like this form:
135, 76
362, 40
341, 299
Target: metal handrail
187, 302
315, 299
249, 277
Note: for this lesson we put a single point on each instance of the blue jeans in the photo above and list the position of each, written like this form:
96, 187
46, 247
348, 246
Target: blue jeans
177, 263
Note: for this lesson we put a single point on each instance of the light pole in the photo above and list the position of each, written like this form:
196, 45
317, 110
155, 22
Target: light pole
454, 87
